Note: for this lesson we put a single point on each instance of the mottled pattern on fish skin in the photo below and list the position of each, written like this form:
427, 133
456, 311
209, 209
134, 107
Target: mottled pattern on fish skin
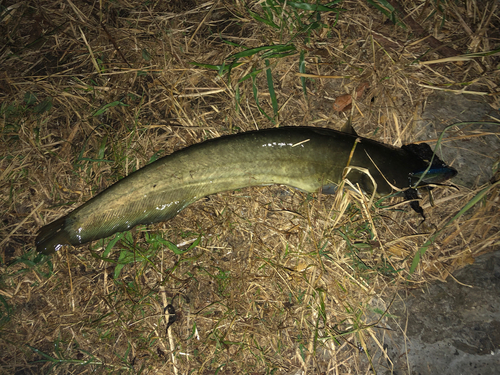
302, 157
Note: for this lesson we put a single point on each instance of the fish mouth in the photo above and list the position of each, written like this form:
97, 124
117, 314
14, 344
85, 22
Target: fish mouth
434, 175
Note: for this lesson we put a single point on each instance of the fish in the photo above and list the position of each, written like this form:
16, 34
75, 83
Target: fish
306, 158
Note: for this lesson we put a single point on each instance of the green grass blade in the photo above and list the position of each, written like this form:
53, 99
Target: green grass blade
270, 86
302, 69
249, 75
253, 51
6, 311
104, 108
266, 21
255, 91
43, 106
280, 50
478, 197
311, 7
112, 243
237, 97
206, 66
329, 5
228, 42
388, 10
175, 249
385, 4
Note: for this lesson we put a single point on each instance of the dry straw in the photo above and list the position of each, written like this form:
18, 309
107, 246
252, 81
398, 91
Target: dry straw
262, 280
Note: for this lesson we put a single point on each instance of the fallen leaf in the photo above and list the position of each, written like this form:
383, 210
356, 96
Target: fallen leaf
344, 102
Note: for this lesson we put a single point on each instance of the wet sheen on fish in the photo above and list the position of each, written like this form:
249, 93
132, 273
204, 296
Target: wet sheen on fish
306, 158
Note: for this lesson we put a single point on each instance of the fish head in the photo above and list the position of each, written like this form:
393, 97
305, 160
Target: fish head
435, 171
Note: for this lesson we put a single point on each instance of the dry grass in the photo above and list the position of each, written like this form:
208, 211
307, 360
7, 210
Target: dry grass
281, 281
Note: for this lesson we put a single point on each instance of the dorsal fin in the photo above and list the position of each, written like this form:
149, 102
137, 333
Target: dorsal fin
347, 128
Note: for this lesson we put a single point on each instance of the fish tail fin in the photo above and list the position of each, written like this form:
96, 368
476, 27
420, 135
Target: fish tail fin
52, 237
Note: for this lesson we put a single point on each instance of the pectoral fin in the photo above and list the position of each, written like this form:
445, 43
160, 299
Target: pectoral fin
412, 194
329, 189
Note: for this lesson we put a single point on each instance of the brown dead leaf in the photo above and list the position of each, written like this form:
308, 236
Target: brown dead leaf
344, 102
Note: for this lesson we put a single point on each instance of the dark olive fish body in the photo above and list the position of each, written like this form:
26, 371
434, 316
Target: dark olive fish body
305, 158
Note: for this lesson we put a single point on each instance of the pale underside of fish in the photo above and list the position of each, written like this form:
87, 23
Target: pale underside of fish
306, 158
